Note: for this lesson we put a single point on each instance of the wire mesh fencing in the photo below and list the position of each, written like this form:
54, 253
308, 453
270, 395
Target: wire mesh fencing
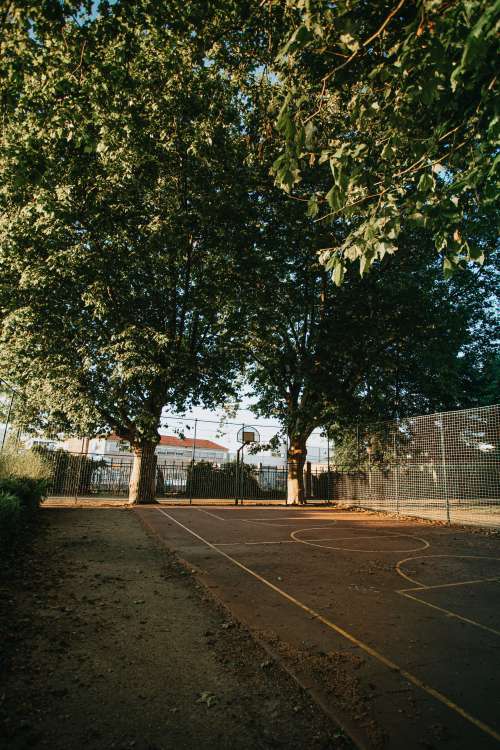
9, 434
443, 466
84, 476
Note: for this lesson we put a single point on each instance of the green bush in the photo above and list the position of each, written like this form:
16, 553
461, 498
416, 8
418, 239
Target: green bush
10, 516
27, 464
204, 480
19, 501
29, 491
68, 473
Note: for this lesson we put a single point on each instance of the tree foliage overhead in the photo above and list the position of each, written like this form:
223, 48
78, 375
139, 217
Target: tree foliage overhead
119, 221
136, 147
399, 342
398, 102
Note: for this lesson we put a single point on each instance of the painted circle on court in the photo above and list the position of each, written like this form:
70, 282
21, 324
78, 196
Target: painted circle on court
279, 521
369, 543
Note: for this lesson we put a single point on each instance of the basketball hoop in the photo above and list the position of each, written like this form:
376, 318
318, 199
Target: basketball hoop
248, 435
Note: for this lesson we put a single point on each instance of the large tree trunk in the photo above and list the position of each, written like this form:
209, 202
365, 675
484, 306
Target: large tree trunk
142, 485
296, 460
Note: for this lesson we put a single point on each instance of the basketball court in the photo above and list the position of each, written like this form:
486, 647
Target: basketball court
393, 625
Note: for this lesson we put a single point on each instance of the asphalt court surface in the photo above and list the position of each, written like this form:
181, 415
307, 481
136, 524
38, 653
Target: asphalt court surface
412, 610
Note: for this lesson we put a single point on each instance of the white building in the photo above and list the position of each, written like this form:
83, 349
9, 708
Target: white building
317, 455
170, 449
41, 442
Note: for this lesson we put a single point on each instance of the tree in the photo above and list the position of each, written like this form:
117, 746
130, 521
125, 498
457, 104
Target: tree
120, 216
398, 102
399, 342
489, 381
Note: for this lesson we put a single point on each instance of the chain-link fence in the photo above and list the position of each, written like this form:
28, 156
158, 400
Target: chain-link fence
442, 466
80, 476
9, 434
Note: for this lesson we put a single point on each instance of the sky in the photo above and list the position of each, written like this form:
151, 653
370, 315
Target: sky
208, 428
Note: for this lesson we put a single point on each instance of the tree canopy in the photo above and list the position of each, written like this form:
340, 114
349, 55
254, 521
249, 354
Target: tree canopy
402, 341
398, 102
120, 228
145, 251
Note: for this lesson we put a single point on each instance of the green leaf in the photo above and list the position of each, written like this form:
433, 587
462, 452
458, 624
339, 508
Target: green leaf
309, 132
449, 267
417, 218
350, 42
299, 39
334, 199
279, 162
426, 183
312, 207
338, 274
365, 262
476, 254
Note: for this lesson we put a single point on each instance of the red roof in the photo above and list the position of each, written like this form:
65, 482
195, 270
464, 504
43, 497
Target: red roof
188, 443
176, 442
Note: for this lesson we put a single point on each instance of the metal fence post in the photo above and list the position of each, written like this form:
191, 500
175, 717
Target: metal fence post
193, 453
242, 474
396, 472
328, 464
80, 459
7, 422
445, 475
308, 482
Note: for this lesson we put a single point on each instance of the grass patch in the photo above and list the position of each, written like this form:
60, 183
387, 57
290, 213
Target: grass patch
23, 483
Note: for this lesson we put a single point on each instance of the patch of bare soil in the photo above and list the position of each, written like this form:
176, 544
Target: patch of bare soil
335, 672
107, 641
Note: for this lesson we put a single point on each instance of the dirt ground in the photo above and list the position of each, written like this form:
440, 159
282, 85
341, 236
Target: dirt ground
108, 641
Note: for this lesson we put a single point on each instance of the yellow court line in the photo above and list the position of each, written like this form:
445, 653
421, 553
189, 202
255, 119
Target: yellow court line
450, 585
429, 557
337, 629
448, 612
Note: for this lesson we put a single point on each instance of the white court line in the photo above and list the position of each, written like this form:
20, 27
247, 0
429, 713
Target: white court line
389, 534
288, 518
239, 544
348, 636
296, 541
266, 523
219, 518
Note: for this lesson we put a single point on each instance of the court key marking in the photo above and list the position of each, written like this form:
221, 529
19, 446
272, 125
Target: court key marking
427, 557
348, 636
425, 543
422, 587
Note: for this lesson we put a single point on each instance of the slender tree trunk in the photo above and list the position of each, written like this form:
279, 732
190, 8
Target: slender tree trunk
142, 485
296, 460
